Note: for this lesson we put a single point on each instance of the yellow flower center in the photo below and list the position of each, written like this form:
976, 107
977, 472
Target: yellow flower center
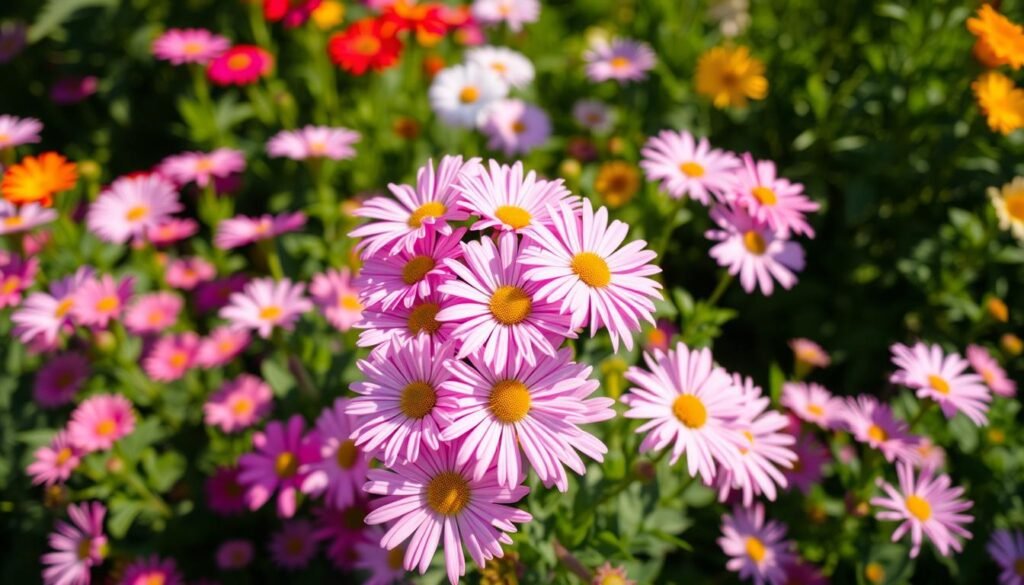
750, 439
469, 94
106, 428
754, 242
271, 312
1015, 206
242, 406
613, 579
509, 401
347, 454
518, 127
153, 579
191, 48
448, 493
4, 138
692, 170
350, 302
939, 384
108, 304
178, 359
63, 455
396, 557
417, 400
620, 62
429, 209
11, 284
13, 221
690, 411
417, 268
239, 62
592, 269
510, 305
877, 433
874, 573
816, 409
136, 213
764, 195
155, 318
367, 45
513, 216
423, 319
499, 67
755, 549
84, 550
918, 508
286, 465
317, 147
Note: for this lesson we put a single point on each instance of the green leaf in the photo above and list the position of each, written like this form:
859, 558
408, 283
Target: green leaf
280, 379
123, 513
163, 471
56, 12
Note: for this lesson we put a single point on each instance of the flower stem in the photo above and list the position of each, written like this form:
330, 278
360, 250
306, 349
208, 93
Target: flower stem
723, 285
273, 258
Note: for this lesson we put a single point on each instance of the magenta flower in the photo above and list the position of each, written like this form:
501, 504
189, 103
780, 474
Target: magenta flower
813, 403
189, 45
807, 470
59, 379
187, 273
990, 371
76, 547
240, 65
243, 230
1007, 550
265, 304
941, 377
925, 505
131, 206
514, 13
72, 89
516, 127
622, 60
278, 463
757, 549
437, 498
16, 131
660, 336
43, 316
202, 167
314, 142
153, 569
171, 357
771, 199
100, 299
400, 325
216, 293
406, 276
221, 346
234, 554
580, 262
153, 313
383, 566
334, 293
293, 546
754, 251
341, 472
13, 37
99, 421
507, 200
54, 463
225, 495
171, 231
238, 404
872, 423
21, 218
688, 167
16, 274
343, 529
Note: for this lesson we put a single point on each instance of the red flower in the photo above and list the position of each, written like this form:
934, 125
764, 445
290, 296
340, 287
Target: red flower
367, 44
426, 20
292, 12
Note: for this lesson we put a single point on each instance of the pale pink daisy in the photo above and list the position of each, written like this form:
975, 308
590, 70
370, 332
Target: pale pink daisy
402, 278
20, 218
100, 421
580, 262
514, 13
382, 566
873, 423
15, 131
622, 60
516, 127
16, 275
497, 309
100, 299
189, 45
152, 313
54, 463
402, 406
234, 554
171, 230
76, 547
503, 408
398, 222
203, 167
925, 505
221, 346
942, 378
238, 404
278, 463
813, 403
807, 470
243, 230
754, 251
59, 379
990, 371
688, 167
186, 273
314, 142
171, 357
437, 499
294, 545
511, 66
401, 324
225, 495
809, 353
336, 295
691, 404
1007, 550
265, 304
771, 199
150, 570
131, 206
925, 453
758, 549
593, 115
506, 199
43, 316
341, 471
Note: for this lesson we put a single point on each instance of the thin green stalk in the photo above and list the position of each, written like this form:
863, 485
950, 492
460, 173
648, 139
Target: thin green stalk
273, 258
723, 285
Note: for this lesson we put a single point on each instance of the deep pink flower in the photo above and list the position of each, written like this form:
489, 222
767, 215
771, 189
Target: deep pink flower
234, 554
55, 462
335, 294
942, 378
76, 547
265, 304
294, 545
171, 357
240, 65
153, 313
343, 529
341, 471
238, 404
811, 457
71, 89
150, 570
100, 421
243, 230
215, 294
16, 274
292, 13
189, 45
100, 299
225, 495
187, 273
406, 276
59, 379
281, 455
771, 199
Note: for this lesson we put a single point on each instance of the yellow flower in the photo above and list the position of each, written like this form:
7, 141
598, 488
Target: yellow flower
730, 76
617, 182
1009, 204
38, 179
874, 573
1011, 344
1000, 101
1004, 38
998, 309
328, 15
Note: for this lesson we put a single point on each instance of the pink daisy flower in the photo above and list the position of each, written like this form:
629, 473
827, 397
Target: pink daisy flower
294, 546
171, 357
341, 472
401, 325
507, 407
514, 13
660, 336
941, 377
15, 131
688, 167
1007, 550
335, 294
234, 554
813, 403
171, 230
202, 167
20, 218
238, 404
76, 547
809, 353
42, 317
314, 142
690, 403
754, 251
278, 463
243, 230
152, 569
925, 453
408, 275
757, 549
99, 421
100, 299
131, 206
873, 423
240, 65
437, 498
53, 463
72, 89
433, 203
383, 566
497, 309
606, 574
189, 45
16, 274
622, 60
153, 313
225, 495
59, 379
516, 127
807, 470
925, 505
186, 273
216, 293
265, 304
402, 406
221, 346
580, 261
990, 371
593, 115
507, 200
771, 199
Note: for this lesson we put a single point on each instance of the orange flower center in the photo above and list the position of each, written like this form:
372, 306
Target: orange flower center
509, 401
192, 48
417, 399
764, 195
816, 409
347, 454
13, 221
396, 557
106, 428
63, 455
692, 169
513, 216
510, 305
242, 406
755, 549
108, 304
1015, 206
350, 302
416, 269
11, 284
423, 319
136, 213
239, 62
939, 384
271, 312
592, 269
366, 45
620, 62
918, 507
178, 359
448, 493
877, 433
754, 242
469, 94
433, 209
286, 465
690, 411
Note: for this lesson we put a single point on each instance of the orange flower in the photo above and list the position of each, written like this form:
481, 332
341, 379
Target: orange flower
1003, 37
37, 179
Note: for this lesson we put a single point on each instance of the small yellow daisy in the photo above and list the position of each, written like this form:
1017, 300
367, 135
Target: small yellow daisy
617, 182
730, 76
1000, 101
1009, 204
